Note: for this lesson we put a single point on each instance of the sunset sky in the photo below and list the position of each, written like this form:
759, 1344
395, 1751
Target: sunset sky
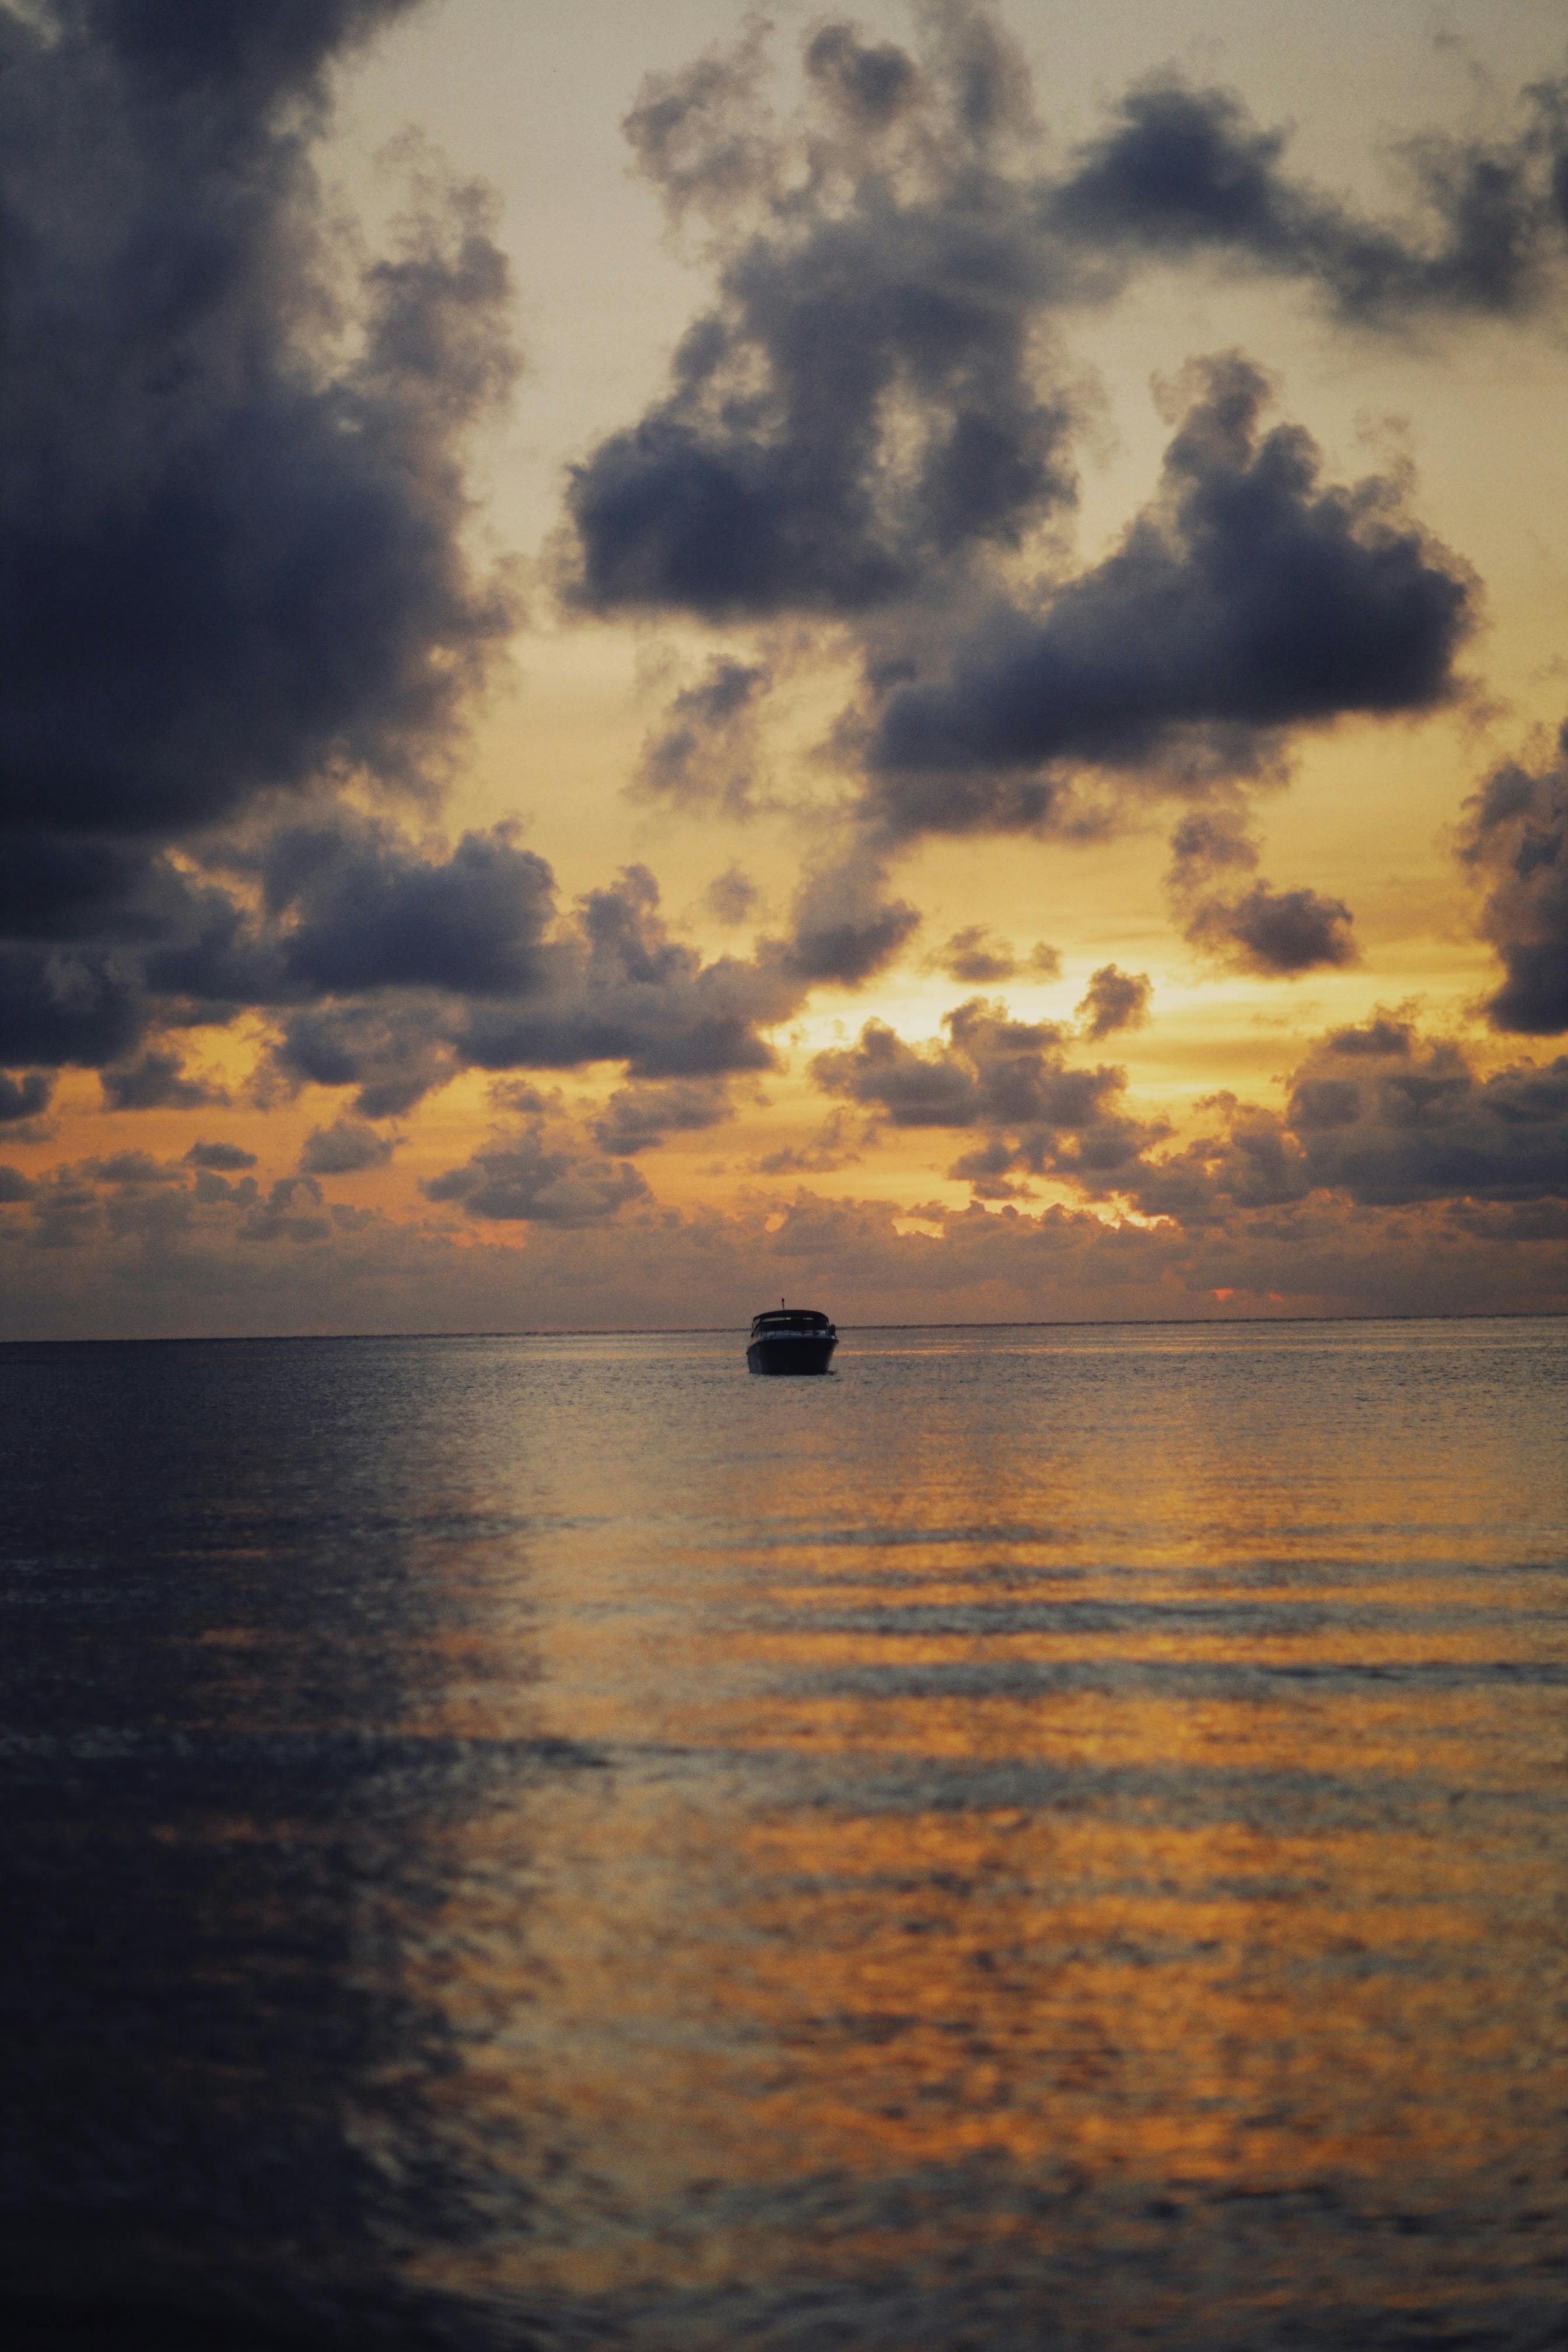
660, 657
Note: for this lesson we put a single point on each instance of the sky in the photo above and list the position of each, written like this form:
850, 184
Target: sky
661, 658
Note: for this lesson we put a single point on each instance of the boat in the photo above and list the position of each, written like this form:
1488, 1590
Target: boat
791, 1340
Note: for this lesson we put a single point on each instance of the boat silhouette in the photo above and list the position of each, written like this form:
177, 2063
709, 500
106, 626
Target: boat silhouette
791, 1340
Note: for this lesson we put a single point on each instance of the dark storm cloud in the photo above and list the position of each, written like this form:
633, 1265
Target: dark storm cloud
246, 57
229, 562
615, 986
866, 412
1180, 172
155, 1082
1114, 1000
519, 1178
393, 1051
1516, 841
231, 500
365, 909
23, 1097
606, 982
1249, 598
863, 406
68, 1004
704, 754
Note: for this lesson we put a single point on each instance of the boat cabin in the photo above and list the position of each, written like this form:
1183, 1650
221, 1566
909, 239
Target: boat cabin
789, 1318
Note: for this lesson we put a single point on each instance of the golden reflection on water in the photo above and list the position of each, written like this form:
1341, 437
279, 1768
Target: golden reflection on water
1063, 1834
1043, 1838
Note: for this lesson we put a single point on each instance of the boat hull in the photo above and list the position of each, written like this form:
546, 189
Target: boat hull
791, 1351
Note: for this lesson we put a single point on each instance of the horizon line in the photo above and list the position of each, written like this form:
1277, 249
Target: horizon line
706, 1330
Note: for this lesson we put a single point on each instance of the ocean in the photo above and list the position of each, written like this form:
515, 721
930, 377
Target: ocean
1047, 1837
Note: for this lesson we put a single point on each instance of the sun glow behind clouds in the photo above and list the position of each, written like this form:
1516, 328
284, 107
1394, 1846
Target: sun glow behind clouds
963, 560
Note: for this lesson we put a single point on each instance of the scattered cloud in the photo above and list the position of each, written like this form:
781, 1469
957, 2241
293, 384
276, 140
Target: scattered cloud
1276, 933
640, 1117
222, 1158
732, 896
974, 957
704, 753
1516, 841
1249, 599
345, 1148
1114, 1000
518, 1179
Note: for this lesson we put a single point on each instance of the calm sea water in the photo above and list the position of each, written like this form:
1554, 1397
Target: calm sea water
1047, 1837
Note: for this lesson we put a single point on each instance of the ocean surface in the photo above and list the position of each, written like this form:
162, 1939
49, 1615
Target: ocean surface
1047, 1837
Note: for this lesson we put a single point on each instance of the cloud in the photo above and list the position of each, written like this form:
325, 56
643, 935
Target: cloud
1180, 172
66, 1004
23, 1097
240, 1261
1210, 841
864, 405
279, 1216
638, 1118
156, 1082
1375, 1113
1415, 1122
248, 62
974, 957
1010, 1078
605, 983
1249, 598
1114, 1000
518, 1179
344, 1148
867, 409
220, 1158
363, 908
1516, 841
1384, 1118
393, 1051
823, 1154
233, 504
705, 754
14, 1186
731, 896
845, 929
615, 986
1276, 933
